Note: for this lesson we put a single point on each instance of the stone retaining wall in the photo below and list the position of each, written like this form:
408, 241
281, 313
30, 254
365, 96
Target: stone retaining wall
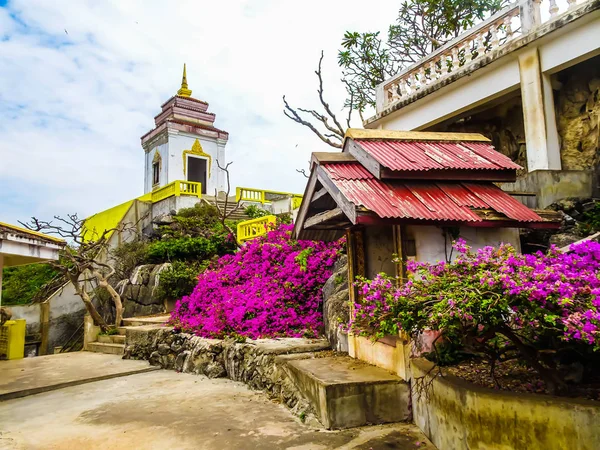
457, 415
260, 364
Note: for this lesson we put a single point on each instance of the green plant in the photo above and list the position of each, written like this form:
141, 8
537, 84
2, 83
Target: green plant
180, 279
590, 221
284, 218
128, 256
339, 279
20, 284
190, 248
254, 212
302, 258
109, 332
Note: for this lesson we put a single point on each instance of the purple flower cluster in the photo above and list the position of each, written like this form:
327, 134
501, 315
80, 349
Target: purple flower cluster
270, 287
491, 290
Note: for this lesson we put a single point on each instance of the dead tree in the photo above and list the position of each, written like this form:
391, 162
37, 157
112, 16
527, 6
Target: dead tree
327, 128
223, 213
82, 260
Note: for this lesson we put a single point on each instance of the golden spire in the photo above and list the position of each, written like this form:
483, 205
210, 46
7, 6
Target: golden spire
184, 91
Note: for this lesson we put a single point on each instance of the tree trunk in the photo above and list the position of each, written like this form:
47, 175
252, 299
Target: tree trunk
103, 282
554, 382
96, 317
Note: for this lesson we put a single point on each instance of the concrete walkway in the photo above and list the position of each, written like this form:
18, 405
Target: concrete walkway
164, 409
28, 376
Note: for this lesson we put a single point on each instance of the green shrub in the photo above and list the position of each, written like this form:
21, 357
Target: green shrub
590, 222
254, 212
20, 284
180, 279
128, 256
189, 248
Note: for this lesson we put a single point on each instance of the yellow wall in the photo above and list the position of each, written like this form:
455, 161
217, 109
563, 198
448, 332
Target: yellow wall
96, 225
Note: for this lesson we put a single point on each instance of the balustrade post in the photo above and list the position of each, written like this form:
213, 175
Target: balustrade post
455, 60
530, 15
494, 41
572, 3
553, 8
508, 26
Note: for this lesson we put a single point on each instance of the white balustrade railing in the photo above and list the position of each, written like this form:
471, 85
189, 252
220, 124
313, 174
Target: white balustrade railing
517, 19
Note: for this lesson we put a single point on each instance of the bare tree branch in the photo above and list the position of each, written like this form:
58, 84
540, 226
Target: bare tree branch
223, 214
292, 114
83, 258
303, 172
334, 134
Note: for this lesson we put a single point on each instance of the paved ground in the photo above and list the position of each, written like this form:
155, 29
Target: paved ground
32, 375
164, 409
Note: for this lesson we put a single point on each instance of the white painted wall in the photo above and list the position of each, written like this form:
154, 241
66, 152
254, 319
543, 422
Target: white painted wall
429, 240
171, 153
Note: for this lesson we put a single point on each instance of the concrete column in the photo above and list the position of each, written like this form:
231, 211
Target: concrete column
1, 269
541, 135
44, 326
379, 98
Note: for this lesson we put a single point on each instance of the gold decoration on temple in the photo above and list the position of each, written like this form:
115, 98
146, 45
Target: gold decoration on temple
184, 91
196, 151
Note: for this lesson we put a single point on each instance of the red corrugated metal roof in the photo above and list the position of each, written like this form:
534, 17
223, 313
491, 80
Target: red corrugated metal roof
431, 155
414, 199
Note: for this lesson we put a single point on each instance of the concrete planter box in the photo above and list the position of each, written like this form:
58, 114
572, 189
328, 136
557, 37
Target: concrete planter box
457, 415
391, 353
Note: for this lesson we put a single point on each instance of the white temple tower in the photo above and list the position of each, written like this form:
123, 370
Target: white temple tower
184, 144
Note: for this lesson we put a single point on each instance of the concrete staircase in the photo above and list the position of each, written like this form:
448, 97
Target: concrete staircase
114, 344
231, 204
348, 393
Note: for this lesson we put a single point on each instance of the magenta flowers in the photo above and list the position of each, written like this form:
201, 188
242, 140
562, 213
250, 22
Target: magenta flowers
270, 287
494, 301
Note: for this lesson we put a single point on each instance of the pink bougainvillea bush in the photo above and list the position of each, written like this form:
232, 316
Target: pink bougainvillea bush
496, 302
270, 287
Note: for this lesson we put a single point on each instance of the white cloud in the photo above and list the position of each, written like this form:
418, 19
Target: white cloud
74, 103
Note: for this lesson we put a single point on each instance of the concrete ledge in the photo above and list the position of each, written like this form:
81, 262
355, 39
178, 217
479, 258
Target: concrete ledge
389, 355
458, 415
348, 393
30, 376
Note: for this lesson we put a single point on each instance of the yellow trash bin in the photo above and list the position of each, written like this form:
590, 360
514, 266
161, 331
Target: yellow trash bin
12, 339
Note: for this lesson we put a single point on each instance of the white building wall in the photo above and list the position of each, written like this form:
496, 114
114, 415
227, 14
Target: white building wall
171, 153
429, 240
163, 150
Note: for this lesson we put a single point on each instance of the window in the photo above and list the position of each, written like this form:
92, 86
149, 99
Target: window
155, 173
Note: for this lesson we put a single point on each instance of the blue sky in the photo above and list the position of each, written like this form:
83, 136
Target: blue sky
81, 81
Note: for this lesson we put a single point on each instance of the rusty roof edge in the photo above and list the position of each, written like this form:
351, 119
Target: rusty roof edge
366, 134
331, 157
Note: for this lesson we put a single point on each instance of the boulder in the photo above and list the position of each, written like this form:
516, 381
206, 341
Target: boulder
336, 305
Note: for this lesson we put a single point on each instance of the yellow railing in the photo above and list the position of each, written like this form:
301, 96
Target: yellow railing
296, 201
176, 188
250, 229
263, 196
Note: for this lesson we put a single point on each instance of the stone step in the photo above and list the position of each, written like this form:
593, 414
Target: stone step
118, 339
148, 320
102, 347
349, 393
111, 339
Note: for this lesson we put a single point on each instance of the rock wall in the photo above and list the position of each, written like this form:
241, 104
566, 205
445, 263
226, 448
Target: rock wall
503, 124
336, 306
259, 364
577, 102
139, 293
